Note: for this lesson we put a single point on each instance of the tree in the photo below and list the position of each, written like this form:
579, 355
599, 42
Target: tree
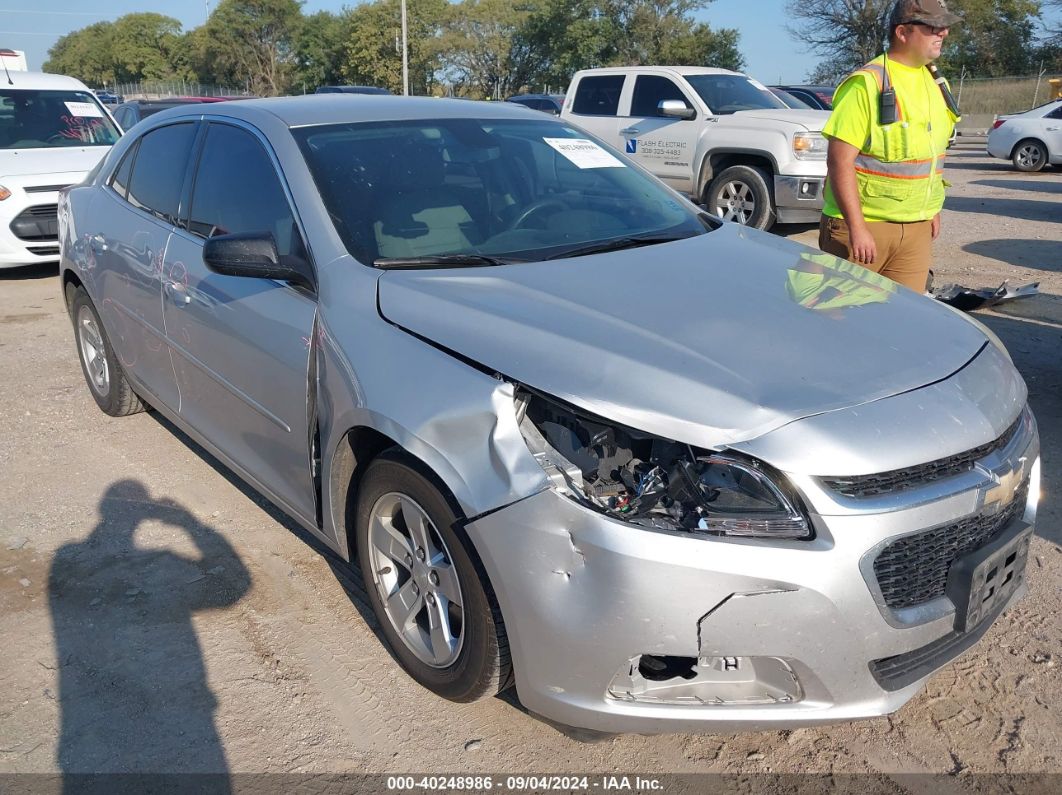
847, 33
481, 51
251, 43
84, 54
372, 48
995, 38
143, 46
319, 50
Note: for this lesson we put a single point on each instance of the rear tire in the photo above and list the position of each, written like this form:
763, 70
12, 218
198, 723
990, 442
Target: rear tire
1029, 155
103, 373
742, 194
436, 609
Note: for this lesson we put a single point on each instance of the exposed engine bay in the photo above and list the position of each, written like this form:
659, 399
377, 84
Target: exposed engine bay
652, 481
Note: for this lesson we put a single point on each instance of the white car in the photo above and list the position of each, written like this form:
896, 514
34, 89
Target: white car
53, 131
1031, 139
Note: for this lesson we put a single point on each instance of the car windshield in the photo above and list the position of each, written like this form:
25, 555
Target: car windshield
486, 190
44, 119
724, 94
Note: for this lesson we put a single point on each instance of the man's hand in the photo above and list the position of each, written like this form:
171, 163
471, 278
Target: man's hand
934, 226
861, 242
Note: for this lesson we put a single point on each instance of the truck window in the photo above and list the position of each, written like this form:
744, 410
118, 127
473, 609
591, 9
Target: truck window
725, 94
598, 96
650, 91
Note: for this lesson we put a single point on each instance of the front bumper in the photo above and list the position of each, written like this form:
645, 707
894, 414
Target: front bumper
798, 199
584, 595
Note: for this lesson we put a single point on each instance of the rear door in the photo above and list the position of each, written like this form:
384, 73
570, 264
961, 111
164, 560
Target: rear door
240, 346
134, 220
1053, 134
596, 106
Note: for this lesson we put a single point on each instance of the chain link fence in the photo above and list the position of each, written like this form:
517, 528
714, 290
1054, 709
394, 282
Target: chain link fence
161, 89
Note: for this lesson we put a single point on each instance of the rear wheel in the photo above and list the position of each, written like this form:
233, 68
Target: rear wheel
1029, 155
436, 610
103, 373
741, 194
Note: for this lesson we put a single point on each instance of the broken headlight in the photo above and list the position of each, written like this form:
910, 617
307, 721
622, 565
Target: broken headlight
656, 482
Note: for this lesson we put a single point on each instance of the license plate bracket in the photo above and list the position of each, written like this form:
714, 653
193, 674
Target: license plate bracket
983, 581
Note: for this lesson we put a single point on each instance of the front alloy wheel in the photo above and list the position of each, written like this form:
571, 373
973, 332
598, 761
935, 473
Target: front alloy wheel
1030, 156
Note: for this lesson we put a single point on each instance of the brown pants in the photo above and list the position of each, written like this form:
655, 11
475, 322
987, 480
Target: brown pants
904, 251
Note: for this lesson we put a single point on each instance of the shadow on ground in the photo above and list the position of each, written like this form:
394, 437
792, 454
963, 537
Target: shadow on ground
1026, 209
133, 692
29, 272
1044, 255
1034, 185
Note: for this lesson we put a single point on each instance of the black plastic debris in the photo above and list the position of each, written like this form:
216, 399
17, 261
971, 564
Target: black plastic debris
969, 298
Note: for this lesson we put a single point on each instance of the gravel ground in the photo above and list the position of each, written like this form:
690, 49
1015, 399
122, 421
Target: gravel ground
156, 615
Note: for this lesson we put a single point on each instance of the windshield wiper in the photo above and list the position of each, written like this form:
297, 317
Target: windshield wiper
617, 244
439, 261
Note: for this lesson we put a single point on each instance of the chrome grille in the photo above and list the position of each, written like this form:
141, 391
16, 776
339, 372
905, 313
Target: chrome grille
911, 477
914, 569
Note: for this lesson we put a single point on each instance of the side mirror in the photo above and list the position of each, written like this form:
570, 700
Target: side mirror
253, 254
676, 109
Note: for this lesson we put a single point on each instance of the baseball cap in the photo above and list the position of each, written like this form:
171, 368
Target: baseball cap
931, 12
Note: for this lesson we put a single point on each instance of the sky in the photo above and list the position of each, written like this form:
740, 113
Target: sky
771, 55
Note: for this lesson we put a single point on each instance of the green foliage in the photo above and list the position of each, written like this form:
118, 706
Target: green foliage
846, 33
372, 47
251, 43
134, 47
318, 49
995, 38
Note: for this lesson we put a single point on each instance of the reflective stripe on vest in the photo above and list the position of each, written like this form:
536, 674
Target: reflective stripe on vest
877, 71
905, 169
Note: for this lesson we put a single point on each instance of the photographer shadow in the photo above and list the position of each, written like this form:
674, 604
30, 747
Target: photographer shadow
133, 692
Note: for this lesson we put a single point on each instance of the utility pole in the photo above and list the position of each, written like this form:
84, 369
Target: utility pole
405, 53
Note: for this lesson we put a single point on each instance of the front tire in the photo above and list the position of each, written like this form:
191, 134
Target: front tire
103, 373
1029, 155
435, 607
742, 194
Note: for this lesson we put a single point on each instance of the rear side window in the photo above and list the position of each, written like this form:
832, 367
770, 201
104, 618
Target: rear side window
598, 96
650, 91
237, 189
158, 173
1056, 113
120, 181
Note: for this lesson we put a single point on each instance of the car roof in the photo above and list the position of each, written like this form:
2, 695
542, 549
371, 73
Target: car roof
314, 109
680, 70
42, 81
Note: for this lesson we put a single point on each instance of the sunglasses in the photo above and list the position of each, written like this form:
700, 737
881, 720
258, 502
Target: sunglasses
933, 30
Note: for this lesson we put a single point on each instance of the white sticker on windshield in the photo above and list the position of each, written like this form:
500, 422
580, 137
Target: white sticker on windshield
584, 153
83, 109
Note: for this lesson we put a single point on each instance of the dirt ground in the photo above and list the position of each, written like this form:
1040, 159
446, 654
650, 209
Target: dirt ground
156, 615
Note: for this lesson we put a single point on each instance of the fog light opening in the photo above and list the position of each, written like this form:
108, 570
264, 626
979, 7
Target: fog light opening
706, 681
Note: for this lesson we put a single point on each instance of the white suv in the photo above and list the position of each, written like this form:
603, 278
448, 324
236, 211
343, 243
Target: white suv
53, 131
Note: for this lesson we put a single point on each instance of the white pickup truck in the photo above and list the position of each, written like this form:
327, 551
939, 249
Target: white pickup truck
719, 137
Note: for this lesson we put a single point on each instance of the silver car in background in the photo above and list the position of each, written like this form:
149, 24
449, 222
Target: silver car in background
665, 473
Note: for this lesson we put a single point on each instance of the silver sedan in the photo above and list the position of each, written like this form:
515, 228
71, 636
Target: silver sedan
1030, 140
661, 471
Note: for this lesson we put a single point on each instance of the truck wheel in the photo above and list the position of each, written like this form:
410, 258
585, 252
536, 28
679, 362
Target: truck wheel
1029, 155
741, 194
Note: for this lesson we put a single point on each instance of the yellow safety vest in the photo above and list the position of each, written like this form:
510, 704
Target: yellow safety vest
900, 169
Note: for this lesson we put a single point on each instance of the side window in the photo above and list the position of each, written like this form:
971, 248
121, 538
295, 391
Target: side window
124, 117
598, 96
120, 180
650, 91
237, 190
158, 173
1056, 113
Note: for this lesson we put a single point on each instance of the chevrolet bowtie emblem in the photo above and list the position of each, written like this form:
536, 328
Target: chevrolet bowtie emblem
1006, 487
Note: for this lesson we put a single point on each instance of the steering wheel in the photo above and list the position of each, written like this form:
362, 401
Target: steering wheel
535, 208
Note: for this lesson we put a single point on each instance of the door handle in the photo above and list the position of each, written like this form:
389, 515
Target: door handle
1052, 129
629, 131
177, 293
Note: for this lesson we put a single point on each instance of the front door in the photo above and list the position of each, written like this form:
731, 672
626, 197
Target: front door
241, 346
662, 144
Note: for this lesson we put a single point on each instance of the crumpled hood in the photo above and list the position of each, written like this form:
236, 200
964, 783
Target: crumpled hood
812, 120
53, 160
710, 340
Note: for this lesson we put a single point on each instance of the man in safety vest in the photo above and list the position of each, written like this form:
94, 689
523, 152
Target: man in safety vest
887, 135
